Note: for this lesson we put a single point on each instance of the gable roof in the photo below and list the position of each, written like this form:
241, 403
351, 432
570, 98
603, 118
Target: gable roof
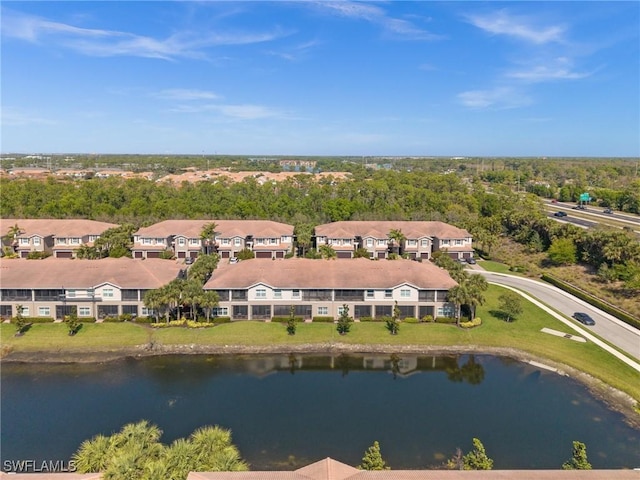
225, 228
69, 227
54, 273
381, 229
357, 273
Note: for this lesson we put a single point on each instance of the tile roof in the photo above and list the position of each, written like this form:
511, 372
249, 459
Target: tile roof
226, 228
53, 273
381, 229
356, 273
69, 227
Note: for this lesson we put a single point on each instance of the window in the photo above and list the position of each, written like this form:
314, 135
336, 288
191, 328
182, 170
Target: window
220, 311
445, 242
225, 241
129, 294
146, 241
296, 294
107, 293
61, 241
346, 241
446, 311
274, 241
24, 241
388, 294
181, 241
405, 293
260, 241
458, 242
75, 241
130, 309
360, 311
277, 293
93, 238
25, 311
261, 293
323, 310
36, 240
369, 293
194, 241
146, 312
71, 294
237, 242
412, 243
382, 242
424, 242
369, 242
341, 310
44, 311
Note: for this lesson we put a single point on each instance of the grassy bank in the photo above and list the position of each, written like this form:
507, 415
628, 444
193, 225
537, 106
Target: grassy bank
523, 334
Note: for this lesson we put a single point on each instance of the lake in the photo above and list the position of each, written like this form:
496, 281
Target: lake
288, 411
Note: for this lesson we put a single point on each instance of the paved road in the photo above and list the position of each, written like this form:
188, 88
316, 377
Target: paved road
607, 327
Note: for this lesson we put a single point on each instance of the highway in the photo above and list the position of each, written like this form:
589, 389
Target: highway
607, 327
592, 216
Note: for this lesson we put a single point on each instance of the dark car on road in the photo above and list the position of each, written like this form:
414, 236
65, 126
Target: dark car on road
607, 210
471, 261
560, 214
584, 318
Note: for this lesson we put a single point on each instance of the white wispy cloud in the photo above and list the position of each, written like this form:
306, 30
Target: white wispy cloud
107, 43
377, 15
236, 111
15, 117
496, 98
183, 94
522, 27
296, 52
558, 69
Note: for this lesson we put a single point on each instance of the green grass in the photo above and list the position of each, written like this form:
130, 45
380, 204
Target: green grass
497, 267
522, 334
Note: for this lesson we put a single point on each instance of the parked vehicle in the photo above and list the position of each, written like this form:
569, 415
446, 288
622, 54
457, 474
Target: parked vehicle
234, 260
608, 210
560, 214
584, 318
188, 260
471, 261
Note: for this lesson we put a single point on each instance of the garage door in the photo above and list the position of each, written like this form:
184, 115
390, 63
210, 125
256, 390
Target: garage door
279, 254
263, 254
182, 254
224, 254
466, 255
381, 255
153, 254
137, 254
344, 254
64, 255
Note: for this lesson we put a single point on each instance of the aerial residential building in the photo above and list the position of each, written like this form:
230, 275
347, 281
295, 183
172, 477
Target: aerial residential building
59, 237
260, 289
183, 238
420, 239
96, 288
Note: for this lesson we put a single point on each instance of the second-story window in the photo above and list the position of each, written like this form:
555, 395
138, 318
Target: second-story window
107, 293
261, 293
388, 294
277, 293
36, 240
237, 242
181, 242
405, 293
296, 294
369, 293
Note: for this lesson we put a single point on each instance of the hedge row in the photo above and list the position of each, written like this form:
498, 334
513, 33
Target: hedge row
323, 319
34, 319
596, 302
286, 319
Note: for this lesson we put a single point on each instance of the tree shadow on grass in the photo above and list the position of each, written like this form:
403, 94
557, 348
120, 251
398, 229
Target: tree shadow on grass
501, 316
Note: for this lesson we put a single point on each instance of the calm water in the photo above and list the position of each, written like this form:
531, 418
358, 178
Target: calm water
287, 411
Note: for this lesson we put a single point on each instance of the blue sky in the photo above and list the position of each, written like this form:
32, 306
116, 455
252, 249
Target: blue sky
322, 78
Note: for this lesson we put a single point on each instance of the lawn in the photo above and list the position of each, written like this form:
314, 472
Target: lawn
522, 334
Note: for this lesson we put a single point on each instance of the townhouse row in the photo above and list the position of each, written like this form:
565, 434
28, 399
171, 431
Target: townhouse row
267, 239
257, 289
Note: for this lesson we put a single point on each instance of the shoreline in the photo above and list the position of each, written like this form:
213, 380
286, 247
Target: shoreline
615, 399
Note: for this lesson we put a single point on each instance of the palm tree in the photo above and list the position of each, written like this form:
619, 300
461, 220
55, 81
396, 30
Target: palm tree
327, 252
191, 295
154, 301
208, 301
179, 459
476, 285
397, 239
458, 296
215, 452
208, 238
94, 454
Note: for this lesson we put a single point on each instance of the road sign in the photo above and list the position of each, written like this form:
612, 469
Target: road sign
584, 197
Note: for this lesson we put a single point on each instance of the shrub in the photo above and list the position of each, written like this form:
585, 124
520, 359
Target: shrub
445, 320
111, 319
473, 323
219, 320
324, 319
367, 319
384, 318
410, 320
143, 320
34, 319
37, 255
285, 319
166, 255
126, 317
86, 319
427, 318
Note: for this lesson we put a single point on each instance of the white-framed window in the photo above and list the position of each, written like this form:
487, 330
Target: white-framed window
259, 241
295, 293
382, 242
61, 241
323, 310
412, 243
181, 241
424, 242
24, 241
261, 293
445, 242
107, 292
36, 240
369, 293
277, 293
93, 238
71, 294
237, 242
340, 310
161, 241
75, 241
405, 293
458, 242
388, 294
146, 241
86, 311
220, 311
44, 311
369, 242
194, 241
274, 241
446, 311
25, 311
346, 241
225, 241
